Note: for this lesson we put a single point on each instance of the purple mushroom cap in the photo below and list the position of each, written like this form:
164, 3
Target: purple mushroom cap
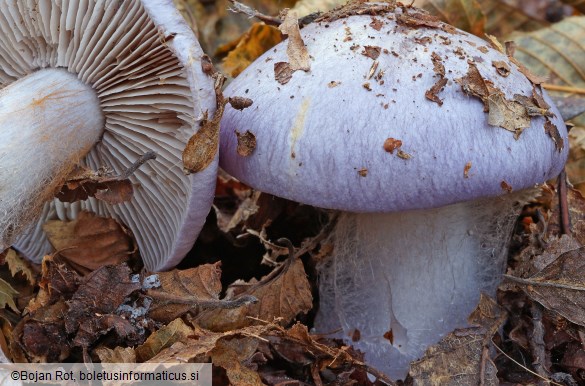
374, 80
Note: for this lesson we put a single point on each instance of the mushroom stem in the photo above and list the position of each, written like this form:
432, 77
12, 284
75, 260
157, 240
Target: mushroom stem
49, 120
398, 282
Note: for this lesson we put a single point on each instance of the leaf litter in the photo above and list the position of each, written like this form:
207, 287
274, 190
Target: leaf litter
75, 314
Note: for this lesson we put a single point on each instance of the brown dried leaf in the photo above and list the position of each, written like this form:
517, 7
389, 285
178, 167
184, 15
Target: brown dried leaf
202, 147
83, 183
495, 43
376, 24
17, 264
117, 355
228, 357
415, 18
431, 94
202, 283
175, 331
247, 208
474, 84
282, 72
248, 47
246, 143
284, 293
501, 67
438, 66
298, 56
92, 305
463, 14
7, 294
560, 286
57, 281
90, 241
42, 337
372, 52
460, 358
509, 115
552, 130
240, 103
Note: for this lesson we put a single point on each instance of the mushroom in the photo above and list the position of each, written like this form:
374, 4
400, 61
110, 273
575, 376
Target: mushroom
101, 83
427, 137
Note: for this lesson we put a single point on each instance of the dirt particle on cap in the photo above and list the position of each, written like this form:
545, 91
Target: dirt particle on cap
466, 170
506, 187
391, 144
363, 172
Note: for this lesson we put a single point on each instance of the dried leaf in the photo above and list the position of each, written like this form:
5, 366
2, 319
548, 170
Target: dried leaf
201, 283
372, 52
239, 375
414, 18
7, 294
246, 143
248, 47
560, 286
175, 331
298, 56
501, 67
117, 355
202, 147
98, 296
90, 241
282, 72
83, 183
552, 130
431, 94
463, 14
306, 7
284, 293
17, 264
43, 337
463, 356
555, 53
474, 84
248, 207
509, 115
240, 103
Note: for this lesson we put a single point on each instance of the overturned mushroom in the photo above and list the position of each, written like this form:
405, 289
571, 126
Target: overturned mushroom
436, 152
102, 83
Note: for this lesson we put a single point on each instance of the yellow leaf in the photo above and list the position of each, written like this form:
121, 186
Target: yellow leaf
17, 264
7, 294
257, 40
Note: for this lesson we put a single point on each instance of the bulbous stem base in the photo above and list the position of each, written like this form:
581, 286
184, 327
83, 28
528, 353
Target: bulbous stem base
398, 282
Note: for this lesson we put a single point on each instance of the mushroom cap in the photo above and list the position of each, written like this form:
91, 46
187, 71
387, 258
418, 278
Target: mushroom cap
144, 63
324, 138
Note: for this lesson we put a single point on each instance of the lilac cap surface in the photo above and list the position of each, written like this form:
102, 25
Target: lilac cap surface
372, 126
145, 65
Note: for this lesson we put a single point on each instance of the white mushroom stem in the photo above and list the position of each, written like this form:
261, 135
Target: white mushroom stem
49, 120
398, 282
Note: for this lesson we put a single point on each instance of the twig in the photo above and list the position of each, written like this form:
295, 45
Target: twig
203, 304
139, 162
537, 340
563, 204
238, 7
537, 283
526, 368
571, 89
